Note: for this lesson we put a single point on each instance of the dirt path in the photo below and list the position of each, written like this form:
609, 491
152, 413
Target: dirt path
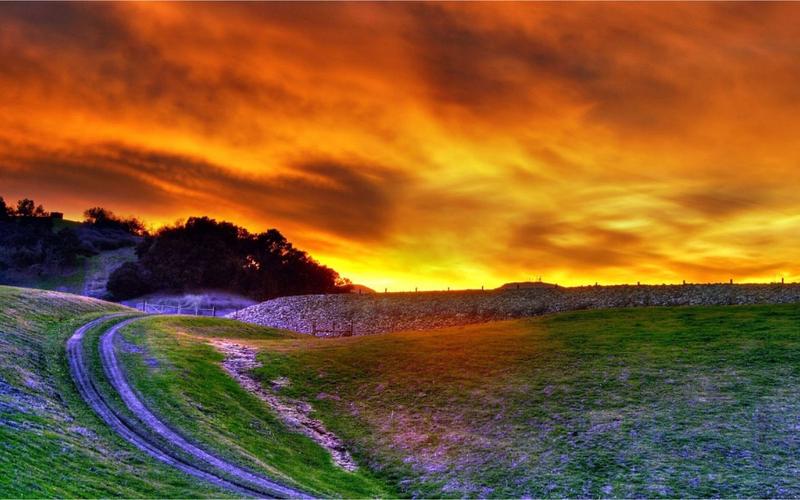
220, 472
239, 360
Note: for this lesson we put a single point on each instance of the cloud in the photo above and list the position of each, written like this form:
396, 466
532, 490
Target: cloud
557, 243
348, 200
469, 142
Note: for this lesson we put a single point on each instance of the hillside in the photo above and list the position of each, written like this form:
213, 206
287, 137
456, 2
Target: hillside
52, 253
51, 444
676, 402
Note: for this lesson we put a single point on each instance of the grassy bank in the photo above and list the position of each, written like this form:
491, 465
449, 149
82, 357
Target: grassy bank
638, 402
685, 402
51, 444
179, 376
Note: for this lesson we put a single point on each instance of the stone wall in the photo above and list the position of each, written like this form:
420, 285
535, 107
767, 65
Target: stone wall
366, 314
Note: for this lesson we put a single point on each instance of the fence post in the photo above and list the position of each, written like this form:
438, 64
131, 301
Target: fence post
196, 310
314, 327
144, 307
213, 311
179, 308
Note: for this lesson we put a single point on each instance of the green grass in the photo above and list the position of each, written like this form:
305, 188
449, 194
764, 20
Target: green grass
682, 402
179, 376
51, 443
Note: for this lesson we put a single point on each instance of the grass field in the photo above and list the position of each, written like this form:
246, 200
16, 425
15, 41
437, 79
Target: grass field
680, 402
51, 444
179, 376
654, 402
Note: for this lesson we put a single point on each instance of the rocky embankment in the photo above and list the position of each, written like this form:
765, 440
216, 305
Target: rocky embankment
364, 314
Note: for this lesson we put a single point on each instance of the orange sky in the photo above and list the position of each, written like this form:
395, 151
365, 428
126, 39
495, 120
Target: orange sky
429, 145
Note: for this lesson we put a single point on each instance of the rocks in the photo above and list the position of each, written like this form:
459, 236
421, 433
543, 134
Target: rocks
367, 314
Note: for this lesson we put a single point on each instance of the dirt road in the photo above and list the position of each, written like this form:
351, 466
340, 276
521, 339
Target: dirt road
171, 448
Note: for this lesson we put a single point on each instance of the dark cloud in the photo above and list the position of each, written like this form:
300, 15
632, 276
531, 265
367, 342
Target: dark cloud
641, 70
486, 71
720, 201
91, 56
546, 243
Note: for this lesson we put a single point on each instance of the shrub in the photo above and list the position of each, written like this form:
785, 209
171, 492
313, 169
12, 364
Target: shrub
128, 281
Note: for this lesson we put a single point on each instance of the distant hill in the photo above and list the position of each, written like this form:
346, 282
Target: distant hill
518, 285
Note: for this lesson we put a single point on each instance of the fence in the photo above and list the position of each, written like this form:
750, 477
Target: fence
190, 309
335, 329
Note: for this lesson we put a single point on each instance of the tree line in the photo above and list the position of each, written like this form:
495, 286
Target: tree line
205, 253
198, 253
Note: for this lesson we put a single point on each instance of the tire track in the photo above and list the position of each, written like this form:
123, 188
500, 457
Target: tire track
225, 474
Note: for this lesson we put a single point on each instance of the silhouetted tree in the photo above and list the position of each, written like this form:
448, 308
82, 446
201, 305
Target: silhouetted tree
25, 208
39, 211
96, 215
129, 280
5, 210
204, 253
106, 219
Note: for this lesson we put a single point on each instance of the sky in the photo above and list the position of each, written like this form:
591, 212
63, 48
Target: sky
425, 145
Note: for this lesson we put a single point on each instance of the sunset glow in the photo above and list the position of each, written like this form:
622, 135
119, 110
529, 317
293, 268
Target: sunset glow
425, 145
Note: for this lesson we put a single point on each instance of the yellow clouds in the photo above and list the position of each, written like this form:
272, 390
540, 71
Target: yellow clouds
425, 145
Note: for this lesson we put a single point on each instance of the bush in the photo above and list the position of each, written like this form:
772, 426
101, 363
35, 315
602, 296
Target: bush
128, 281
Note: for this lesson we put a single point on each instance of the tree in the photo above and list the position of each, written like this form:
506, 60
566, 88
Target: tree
204, 253
26, 207
95, 215
5, 210
128, 281
106, 219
